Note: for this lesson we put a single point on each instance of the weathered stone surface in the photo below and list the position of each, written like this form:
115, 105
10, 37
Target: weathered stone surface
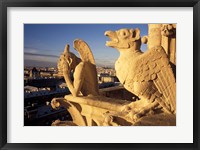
161, 119
147, 75
162, 35
168, 32
99, 110
154, 35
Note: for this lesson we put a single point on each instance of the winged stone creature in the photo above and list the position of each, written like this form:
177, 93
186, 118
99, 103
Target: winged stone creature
84, 70
145, 74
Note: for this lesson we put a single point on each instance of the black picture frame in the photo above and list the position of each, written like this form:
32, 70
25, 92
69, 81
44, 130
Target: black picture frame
4, 4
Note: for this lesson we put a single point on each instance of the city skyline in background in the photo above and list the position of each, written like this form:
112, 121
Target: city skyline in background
43, 43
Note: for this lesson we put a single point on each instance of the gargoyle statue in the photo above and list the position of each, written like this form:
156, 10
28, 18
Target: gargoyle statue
147, 75
84, 69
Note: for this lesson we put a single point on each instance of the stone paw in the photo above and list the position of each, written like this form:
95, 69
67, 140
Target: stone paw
137, 116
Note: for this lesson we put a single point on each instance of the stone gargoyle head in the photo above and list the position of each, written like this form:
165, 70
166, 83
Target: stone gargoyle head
70, 58
124, 39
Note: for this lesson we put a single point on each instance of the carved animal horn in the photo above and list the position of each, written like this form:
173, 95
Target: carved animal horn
135, 34
66, 50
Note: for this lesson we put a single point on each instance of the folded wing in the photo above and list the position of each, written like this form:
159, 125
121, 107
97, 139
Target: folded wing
154, 66
84, 51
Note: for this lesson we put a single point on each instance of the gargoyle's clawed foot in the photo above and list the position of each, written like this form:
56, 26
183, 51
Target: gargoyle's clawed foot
109, 119
142, 113
146, 110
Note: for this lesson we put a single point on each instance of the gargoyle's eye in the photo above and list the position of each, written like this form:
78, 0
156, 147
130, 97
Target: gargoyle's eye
124, 33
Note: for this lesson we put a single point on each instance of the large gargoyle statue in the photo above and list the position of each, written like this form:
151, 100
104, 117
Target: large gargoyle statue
148, 75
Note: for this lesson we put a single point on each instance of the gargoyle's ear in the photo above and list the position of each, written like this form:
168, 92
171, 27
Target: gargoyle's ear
135, 34
69, 60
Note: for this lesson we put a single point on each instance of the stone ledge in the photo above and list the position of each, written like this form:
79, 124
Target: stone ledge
99, 101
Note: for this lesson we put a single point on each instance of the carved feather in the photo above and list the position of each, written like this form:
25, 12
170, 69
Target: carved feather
153, 65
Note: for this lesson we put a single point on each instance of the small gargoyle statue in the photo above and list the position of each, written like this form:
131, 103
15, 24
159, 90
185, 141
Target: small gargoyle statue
145, 74
84, 70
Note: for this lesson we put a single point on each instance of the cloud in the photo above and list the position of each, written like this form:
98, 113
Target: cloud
34, 50
105, 62
34, 63
45, 55
42, 60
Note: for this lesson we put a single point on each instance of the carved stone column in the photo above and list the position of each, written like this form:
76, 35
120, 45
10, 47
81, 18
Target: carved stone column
154, 35
162, 35
168, 32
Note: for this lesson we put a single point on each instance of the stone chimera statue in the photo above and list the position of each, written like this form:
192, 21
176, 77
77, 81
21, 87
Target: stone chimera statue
148, 75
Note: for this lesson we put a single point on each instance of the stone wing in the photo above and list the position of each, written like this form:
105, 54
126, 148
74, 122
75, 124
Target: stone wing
154, 66
84, 51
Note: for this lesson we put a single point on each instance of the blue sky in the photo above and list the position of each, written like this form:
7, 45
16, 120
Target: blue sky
43, 43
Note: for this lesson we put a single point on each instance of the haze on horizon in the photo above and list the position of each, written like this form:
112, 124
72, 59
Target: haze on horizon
43, 43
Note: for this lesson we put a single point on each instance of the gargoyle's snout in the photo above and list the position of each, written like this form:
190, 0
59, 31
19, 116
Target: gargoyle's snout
108, 33
113, 38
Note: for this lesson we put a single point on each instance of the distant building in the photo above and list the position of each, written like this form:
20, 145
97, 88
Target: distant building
106, 77
46, 73
44, 82
44, 115
34, 73
28, 89
62, 85
26, 73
